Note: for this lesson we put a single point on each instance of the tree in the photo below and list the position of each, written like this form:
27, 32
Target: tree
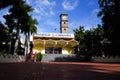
30, 30
110, 15
3, 38
79, 36
89, 42
6, 3
4, 32
19, 19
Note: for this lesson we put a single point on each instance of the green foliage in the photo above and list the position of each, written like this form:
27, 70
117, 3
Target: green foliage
79, 36
4, 38
89, 42
6, 3
39, 56
18, 20
110, 15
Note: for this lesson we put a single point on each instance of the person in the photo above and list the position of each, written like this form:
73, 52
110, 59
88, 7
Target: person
31, 56
35, 56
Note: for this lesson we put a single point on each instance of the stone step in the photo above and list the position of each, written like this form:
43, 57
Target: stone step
59, 57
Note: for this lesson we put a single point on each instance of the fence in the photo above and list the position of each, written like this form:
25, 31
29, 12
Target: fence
11, 58
6, 58
106, 59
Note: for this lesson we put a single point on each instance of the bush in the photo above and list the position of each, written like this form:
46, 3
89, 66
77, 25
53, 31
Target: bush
39, 56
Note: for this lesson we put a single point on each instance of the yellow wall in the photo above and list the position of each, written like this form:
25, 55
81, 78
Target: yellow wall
39, 48
65, 50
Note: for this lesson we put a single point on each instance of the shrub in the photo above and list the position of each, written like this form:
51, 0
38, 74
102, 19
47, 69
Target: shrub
39, 56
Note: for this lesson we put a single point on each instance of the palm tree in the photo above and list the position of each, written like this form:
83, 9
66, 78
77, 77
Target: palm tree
4, 4
29, 28
19, 20
25, 23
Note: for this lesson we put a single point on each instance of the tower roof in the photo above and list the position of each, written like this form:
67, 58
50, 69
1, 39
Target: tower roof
63, 14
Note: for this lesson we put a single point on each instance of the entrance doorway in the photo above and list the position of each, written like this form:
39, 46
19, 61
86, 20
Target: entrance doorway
53, 50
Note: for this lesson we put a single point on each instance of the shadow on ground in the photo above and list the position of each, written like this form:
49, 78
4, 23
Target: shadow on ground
59, 71
75, 58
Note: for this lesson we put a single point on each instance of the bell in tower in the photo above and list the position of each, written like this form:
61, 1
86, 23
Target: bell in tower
64, 23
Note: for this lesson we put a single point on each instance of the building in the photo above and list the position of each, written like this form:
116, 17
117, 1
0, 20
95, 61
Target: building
55, 43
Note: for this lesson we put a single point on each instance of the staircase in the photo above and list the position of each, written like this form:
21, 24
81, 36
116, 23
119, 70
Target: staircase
59, 58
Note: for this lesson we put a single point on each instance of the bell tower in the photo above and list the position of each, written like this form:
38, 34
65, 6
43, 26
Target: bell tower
64, 23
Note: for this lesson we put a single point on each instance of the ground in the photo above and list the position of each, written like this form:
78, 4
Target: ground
59, 71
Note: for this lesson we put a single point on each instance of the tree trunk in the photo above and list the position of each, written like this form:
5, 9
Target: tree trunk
28, 39
10, 43
27, 43
16, 41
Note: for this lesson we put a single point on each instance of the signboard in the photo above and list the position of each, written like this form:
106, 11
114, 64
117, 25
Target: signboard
58, 35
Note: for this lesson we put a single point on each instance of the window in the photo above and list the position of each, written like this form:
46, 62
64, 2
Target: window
64, 29
53, 50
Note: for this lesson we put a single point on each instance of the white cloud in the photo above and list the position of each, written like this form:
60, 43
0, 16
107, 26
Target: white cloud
4, 12
42, 7
52, 23
73, 25
47, 3
93, 17
49, 26
95, 11
40, 30
2, 20
36, 10
70, 4
28, 1
52, 13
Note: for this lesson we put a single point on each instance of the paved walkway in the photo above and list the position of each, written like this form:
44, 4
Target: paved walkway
59, 71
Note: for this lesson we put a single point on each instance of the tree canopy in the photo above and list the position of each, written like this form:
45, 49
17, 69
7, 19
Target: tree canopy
18, 20
89, 41
110, 16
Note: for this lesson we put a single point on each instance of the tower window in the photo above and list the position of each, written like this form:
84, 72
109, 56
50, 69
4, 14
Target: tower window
64, 22
64, 29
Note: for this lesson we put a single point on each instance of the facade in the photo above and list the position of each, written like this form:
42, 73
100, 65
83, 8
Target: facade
55, 43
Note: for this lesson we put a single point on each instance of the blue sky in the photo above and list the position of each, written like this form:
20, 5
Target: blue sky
47, 12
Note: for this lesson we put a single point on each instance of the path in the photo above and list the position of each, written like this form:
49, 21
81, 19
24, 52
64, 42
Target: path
59, 71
